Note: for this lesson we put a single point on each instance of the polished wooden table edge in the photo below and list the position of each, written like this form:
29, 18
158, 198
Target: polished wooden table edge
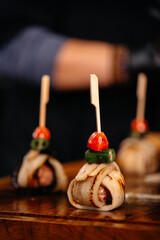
105, 225
64, 220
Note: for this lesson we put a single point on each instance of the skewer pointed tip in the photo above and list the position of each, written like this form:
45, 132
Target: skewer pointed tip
94, 89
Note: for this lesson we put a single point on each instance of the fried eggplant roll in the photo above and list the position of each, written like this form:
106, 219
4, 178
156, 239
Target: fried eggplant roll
40, 171
138, 156
97, 187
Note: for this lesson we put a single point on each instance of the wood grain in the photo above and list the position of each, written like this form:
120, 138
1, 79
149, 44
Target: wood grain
44, 99
141, 95
94, 91
52, 217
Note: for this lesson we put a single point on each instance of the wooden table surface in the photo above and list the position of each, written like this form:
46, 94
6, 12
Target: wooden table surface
52, 217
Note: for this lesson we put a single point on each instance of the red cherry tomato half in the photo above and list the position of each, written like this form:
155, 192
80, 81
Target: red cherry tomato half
97, 141
139, 125
41, 132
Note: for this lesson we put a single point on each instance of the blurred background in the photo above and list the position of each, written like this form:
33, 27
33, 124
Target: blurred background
70, 40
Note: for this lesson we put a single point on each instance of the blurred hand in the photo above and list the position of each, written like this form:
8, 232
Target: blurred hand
79, 58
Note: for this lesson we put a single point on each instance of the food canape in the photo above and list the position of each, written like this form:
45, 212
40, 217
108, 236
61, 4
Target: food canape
39, 171
99, 184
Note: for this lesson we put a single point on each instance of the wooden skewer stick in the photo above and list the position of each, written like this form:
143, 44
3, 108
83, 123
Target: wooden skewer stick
141, 96
45, 87
94, 91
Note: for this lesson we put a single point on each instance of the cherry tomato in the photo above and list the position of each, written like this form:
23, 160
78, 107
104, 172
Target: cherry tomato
139, 125
41, 132
97, 141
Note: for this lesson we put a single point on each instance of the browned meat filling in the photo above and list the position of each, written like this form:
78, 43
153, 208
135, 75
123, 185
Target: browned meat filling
104, 195
45, 176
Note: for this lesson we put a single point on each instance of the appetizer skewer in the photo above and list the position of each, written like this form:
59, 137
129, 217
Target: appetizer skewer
139, 126
99, 185
41, 135
137, 154
40, 172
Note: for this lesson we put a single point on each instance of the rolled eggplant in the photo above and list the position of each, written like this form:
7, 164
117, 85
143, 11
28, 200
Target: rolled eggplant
138, 156
40, 171
97, 187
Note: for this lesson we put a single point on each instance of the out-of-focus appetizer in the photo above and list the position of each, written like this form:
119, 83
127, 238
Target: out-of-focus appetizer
39, 171
99, 185
154, 137
138, 154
